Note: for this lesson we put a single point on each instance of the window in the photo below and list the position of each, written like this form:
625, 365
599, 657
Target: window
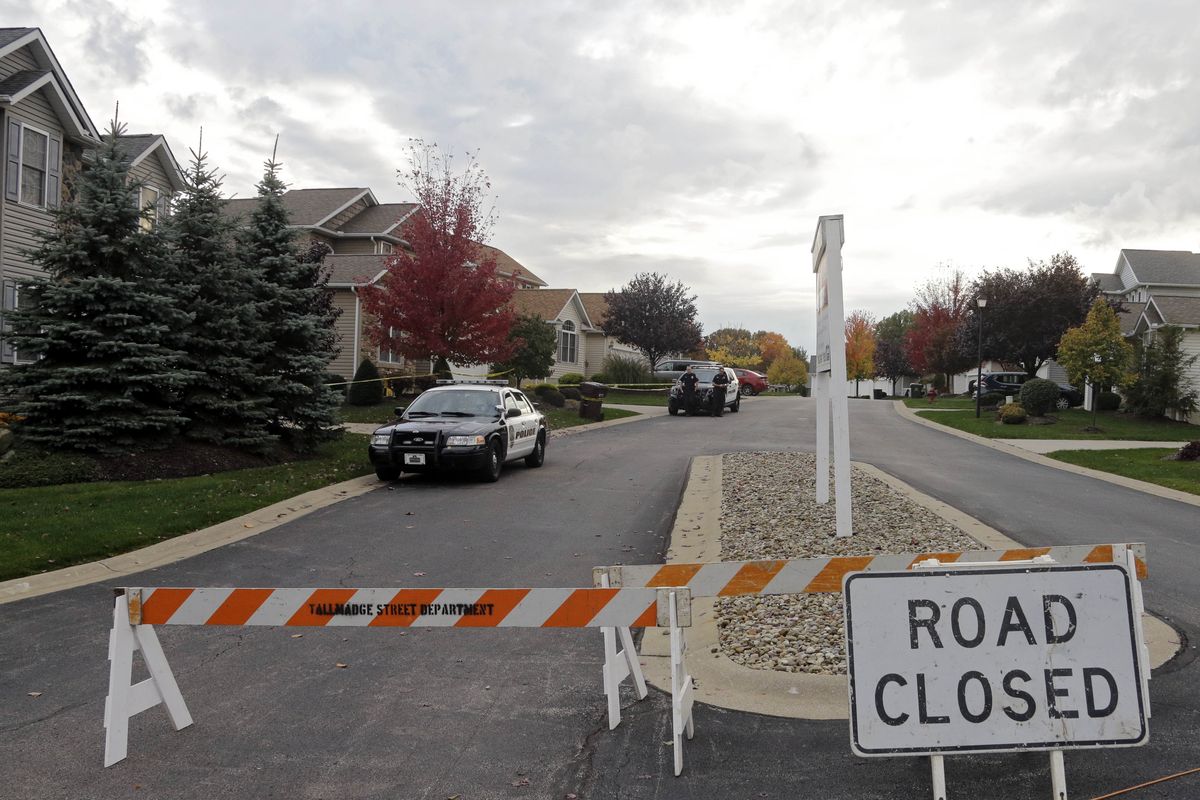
523, 403
567, 340
35, 165
148, 203
387, 349
510, 402
383, 248
10, 300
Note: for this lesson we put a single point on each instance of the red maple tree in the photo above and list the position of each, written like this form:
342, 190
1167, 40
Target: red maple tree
938, 309
442, 297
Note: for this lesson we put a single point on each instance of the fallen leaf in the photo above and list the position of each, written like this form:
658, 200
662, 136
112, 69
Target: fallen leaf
418, 574
571, 796
340, 665
522, 782
34, 694
645, 777
247, 524
297, 635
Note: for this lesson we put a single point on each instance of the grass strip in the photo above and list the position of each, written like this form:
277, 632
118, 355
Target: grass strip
49, 527
1146, 464
1072, 424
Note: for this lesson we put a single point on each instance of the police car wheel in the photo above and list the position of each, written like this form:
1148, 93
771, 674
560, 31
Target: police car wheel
387, 473
538, 456
672, 409
737, 404
491, 473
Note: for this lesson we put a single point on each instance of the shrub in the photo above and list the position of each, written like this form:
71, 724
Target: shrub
1189, 452
619, 369
598, 378
369, 391
570, 392
991, 399
570, 379
542, 388
1012, 414
338, 380
1108, 401
27, 467
554, 397
1039, 395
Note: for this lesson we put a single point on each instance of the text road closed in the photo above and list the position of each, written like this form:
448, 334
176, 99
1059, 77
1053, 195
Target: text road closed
993, 659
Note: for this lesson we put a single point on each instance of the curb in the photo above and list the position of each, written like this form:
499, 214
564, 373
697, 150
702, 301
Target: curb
1037, 458
188, 544
724, 683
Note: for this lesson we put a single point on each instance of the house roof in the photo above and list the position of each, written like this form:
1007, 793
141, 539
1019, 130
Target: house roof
1109, 282
544, 304
1129, 317
380, 219
53, 82
306, 207
1177, 309
597, 309
18, 82
1164, 267
507, 265
136, 148
354, 270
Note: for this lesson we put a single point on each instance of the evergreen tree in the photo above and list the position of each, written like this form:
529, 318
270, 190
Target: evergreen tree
105, 326
228, 403
298, 314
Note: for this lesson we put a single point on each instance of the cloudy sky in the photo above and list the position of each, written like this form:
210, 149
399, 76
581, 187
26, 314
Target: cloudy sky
697, 139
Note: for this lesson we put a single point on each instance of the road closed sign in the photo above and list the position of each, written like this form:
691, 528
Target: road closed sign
993, 660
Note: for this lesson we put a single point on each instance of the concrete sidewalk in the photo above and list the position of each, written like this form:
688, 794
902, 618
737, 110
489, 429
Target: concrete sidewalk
1053, 445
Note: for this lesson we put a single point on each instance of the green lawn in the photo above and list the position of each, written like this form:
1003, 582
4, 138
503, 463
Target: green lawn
49, 527
1070, 425
921, 404
648, 397
1143, 464
379, 413
565, 418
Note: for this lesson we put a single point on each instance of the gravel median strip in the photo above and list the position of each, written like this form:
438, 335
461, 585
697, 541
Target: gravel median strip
769, 510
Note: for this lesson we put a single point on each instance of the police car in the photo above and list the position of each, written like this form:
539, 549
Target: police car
461, 425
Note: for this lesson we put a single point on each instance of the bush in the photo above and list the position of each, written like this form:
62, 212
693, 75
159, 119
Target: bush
570, 392
1012, 414
27, 467
598, 378
1039, 395
553, 397
370, 391
1108, 401
619, 369
570, 379
336, 379
991, 399
542, 388
1189, 452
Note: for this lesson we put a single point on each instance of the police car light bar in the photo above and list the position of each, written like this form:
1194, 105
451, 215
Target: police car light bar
482, 381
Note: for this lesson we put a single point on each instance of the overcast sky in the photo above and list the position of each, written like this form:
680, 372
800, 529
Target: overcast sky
697, 139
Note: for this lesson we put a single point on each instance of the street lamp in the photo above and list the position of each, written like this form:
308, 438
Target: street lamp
982, 303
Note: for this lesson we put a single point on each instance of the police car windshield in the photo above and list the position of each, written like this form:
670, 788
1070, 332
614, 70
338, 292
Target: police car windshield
705, 374
455, 403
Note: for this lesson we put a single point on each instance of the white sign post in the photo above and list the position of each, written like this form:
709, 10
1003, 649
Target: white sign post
829, 380
995, 659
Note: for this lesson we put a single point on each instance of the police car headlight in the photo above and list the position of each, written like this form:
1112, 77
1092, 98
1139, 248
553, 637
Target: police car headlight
464, 441
381, 439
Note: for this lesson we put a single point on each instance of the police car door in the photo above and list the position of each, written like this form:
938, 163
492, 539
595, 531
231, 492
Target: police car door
522, 429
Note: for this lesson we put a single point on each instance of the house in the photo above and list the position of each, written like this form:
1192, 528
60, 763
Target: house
47, 139
598, 344
361, 233
577, 319
1158, 287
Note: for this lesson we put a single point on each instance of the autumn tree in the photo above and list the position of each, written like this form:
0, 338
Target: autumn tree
1028, 311
733, 347
533, 345
1096, 352
771, 345
788, 370
653, 315
891, 357
939, 307
443, 298
860, 347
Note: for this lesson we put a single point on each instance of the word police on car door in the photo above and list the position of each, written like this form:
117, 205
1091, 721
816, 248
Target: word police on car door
993, 659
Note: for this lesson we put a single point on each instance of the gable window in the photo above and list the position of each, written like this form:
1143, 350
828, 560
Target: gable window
567, 342
383, 248
148, 202
35, 158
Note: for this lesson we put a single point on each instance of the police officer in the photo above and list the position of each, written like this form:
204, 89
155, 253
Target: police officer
688, 381
720, 382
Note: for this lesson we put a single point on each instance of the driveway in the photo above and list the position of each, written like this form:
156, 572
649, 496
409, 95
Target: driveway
518, 713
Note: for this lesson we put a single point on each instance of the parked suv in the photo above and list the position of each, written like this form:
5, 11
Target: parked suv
672, 368
704, 387
752, 382
1009, 383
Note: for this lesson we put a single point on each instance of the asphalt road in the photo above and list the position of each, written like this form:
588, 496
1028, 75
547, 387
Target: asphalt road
486, 714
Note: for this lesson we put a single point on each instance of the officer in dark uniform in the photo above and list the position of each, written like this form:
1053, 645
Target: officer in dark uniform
688, 381
720, 382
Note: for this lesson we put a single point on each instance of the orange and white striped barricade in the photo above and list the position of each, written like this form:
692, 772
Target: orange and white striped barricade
138, 610
805, 576
619, 665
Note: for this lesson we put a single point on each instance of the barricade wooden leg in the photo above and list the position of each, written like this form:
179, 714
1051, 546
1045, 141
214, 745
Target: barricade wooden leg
619, 665
1139, 608
682, 689
1058, 775
125, 698
937, 771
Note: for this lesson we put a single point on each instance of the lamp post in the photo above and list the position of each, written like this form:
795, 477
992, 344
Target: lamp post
982, 303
